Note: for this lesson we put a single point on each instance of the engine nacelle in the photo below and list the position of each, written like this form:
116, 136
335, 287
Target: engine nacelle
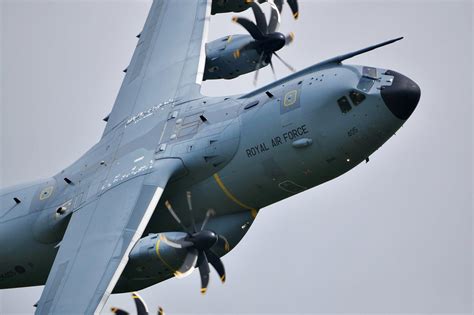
152, 260
224, 6
152, 256
222, 62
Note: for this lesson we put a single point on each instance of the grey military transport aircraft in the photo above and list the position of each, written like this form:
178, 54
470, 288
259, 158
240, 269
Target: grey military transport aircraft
177, 178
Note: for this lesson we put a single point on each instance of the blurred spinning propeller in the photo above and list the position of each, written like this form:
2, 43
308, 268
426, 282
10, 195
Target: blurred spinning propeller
142, 309
267, 41
198, 242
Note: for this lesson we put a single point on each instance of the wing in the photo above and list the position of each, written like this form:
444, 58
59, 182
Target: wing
168, 62
97, 242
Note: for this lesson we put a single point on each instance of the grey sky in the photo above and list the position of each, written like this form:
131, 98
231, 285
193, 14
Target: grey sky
391, 236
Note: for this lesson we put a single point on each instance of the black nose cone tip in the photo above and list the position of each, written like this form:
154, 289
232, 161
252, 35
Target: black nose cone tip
402, 96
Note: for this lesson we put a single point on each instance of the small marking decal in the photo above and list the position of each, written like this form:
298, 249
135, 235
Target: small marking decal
122, 176
147, 113
46, 193
290, 98
139, 159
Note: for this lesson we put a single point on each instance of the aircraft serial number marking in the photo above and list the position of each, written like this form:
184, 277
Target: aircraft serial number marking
276, 141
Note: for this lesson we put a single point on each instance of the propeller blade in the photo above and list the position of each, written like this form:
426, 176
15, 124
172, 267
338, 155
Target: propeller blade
257, 68
289, 38
118, 311
279, 4
294, 8
275, 18
273, 70
175, 243
222, 241
209, 213
204, 272
251, 45
285, 63
175, 216
237, 54
140, 304
188, 265
216, 262
250, 26
190, 207
259, 17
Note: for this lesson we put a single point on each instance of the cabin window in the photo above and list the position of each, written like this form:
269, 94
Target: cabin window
344, 104
356, 97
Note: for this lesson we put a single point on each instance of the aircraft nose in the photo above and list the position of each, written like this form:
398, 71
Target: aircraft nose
402, 96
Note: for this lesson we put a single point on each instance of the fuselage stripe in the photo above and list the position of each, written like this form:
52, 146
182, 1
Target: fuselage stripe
232, 197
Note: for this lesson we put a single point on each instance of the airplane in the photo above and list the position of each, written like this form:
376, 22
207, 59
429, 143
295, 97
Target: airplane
178, 178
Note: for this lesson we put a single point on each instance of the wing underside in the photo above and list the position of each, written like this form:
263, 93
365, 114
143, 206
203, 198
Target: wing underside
95, 248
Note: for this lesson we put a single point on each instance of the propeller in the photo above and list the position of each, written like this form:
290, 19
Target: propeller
267, 41
279, 5
292, 3
198, 242
140, 305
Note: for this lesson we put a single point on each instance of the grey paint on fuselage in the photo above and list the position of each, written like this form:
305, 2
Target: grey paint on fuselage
238, 157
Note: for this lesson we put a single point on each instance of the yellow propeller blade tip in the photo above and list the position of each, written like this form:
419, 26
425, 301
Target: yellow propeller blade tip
234, 19
296, 15
223, 279
113, 309
203, 291
161, 311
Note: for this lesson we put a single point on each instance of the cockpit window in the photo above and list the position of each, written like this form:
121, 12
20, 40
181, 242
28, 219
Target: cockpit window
369, 72
356, 97
365, 84
344, 104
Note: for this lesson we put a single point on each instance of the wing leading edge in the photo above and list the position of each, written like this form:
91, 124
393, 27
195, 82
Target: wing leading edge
168, 62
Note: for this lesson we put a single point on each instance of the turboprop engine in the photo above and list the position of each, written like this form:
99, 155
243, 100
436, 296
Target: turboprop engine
222, 61
234, 55
178, 253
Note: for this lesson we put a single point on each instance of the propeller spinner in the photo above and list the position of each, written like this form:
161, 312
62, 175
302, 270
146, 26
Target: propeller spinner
198, 242
267, 41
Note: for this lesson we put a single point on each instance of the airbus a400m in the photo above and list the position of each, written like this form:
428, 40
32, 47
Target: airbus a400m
177, 178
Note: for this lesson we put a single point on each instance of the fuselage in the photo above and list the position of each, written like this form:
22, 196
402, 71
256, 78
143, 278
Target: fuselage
239, 154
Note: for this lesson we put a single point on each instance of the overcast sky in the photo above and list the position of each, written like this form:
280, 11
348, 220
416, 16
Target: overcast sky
390, 236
